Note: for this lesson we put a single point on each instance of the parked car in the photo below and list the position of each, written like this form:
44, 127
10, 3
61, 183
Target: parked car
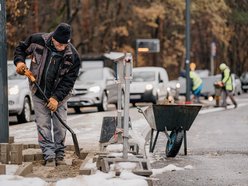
19, 96
173, 90
149, 84
244, 81
94, 87
237, 85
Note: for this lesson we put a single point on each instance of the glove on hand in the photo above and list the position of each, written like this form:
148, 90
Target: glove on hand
52, 104
21, 67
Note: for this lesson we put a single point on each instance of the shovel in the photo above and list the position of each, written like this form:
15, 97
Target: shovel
29, 74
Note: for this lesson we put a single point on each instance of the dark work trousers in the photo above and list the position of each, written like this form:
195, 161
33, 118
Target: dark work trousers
51, 133
227, 93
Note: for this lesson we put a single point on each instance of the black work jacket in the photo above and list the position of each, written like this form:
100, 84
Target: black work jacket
55, 72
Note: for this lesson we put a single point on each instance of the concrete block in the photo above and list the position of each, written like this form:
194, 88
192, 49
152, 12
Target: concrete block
28, 157
38, 157
69, 148
83, 155
16, 153
2, 169
11, 139
25, 146
4, 153
4, 147
85, 171
24, 169
32, 146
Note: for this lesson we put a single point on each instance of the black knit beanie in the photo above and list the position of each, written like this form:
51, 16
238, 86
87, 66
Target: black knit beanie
62, 33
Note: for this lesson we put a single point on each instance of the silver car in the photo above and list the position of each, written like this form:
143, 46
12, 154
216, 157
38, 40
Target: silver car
149, 84
19, 96
94, 87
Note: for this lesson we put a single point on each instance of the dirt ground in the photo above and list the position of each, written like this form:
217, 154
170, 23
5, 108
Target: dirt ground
71, 169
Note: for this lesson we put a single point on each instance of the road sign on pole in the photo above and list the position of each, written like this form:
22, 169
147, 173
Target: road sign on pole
146, 46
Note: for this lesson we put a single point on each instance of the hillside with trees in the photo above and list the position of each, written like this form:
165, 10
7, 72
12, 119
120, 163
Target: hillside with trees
114, 25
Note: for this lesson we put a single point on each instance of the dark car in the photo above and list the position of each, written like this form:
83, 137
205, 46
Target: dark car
94, 87
244, 81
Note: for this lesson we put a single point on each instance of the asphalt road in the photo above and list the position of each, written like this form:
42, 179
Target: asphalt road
217, 144
217, 150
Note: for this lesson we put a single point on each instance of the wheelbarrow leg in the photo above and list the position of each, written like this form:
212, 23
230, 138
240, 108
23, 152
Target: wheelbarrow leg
151, 140
185, 142
155, 141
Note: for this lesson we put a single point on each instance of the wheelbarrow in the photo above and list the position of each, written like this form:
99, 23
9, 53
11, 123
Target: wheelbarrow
175, 118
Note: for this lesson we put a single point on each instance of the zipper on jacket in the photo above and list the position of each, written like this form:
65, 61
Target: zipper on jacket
48, 66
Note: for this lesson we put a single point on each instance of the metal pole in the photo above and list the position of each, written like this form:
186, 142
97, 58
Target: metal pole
187, 60
4, 113
120, 80
136, 54
128, 62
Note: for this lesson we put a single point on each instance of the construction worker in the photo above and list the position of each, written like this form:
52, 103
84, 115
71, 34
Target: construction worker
196, 83
55, 64
227, 85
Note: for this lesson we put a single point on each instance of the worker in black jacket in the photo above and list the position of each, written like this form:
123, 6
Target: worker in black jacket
55, 64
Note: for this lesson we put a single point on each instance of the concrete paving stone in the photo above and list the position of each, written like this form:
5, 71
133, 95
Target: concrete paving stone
16, 153
4, 153
2, 169
11, 139
38, 156
24, 169
28, 157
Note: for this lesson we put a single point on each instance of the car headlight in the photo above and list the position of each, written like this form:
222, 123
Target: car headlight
149, 86
168, 89
94, 89
14, 90
178, 85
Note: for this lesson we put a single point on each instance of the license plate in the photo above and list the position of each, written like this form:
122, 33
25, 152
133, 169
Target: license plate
245, 86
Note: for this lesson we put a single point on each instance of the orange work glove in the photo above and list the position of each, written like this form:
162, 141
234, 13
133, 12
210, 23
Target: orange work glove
21, 67
52, 104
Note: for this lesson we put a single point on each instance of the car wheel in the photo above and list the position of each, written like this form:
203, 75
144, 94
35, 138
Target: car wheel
25, 115
77, 110
104, 104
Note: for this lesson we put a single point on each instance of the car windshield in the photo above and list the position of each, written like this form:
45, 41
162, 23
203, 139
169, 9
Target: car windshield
91, 75
12, 73
244, 75
143, 76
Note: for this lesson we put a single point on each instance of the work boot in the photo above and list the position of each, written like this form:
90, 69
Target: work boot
60, 161
50, 162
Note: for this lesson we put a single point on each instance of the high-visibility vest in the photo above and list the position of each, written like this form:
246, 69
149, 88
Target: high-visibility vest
227, 79
197, 81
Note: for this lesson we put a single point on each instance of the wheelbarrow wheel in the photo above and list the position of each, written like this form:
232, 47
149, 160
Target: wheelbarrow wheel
174, 144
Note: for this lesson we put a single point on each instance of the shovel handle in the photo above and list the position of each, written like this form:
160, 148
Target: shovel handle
30, 75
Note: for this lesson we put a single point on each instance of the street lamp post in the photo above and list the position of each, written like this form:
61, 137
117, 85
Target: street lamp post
187, 43
4, 113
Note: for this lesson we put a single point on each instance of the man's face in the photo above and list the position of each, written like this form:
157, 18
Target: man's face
59, 46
